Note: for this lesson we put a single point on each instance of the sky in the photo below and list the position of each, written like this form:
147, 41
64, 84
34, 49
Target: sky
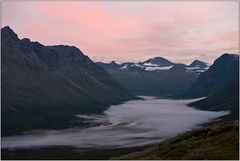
124, 31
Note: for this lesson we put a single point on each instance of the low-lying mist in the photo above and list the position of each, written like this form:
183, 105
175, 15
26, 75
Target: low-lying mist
133, 123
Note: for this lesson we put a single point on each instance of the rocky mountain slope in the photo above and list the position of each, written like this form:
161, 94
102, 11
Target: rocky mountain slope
43, 86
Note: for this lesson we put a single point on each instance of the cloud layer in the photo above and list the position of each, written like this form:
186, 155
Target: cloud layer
130, 31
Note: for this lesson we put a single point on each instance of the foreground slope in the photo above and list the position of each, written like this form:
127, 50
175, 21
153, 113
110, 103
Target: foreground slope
217, 142
43, 86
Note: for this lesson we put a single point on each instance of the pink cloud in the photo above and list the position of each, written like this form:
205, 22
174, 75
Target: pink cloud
130, 31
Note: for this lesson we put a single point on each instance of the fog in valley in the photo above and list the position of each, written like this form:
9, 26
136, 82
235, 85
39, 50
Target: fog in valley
133, 123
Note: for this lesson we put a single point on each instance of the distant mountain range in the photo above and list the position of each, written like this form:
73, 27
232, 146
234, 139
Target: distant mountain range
43, 86
156, 64
159, 76
155, 76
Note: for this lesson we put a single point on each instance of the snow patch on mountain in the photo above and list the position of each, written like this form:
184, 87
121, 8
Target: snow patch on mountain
158, 68
124, 67
150, 64
138, 65
158, 64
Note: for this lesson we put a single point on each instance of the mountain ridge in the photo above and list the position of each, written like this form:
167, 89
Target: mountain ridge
224, 70
43, 86
156, 64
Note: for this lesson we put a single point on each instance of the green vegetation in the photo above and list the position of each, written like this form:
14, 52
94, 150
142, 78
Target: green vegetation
220, 141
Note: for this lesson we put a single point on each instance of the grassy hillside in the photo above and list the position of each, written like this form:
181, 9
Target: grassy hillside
216, 142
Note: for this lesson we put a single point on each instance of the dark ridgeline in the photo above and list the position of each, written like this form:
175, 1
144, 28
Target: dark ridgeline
43, 86
198, 63
109, 67
221, 84
196, 66
181, 68
224, 70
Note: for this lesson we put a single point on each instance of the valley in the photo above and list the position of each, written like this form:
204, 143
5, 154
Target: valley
130, 126
56, 99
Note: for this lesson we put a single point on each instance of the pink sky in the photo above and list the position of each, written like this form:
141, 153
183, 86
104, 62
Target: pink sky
180, 31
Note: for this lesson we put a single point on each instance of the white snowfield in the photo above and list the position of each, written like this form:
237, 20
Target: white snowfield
124, 67
192, 68
158, 68
150, 64
197, 69
138, 65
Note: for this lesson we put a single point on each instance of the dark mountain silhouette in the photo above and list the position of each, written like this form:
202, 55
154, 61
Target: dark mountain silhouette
179, 68
109, 66
161, 83
197, 63
43, 86
224, 70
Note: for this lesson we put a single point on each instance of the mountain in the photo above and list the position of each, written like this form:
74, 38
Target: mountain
179, 68
224, 70
198, 67
162, 83
109, 66
155, 76
157, 61
44, 86
226, 99
197, 63
156, 64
